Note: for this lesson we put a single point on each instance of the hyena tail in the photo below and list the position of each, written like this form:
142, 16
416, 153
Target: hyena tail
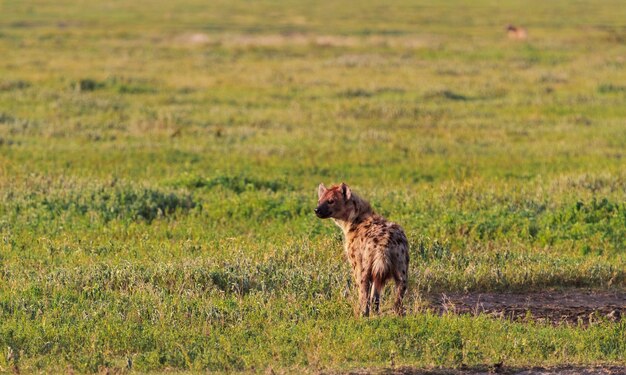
381, 267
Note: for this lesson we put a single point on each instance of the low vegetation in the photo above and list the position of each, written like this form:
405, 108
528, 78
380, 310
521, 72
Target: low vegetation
159, 165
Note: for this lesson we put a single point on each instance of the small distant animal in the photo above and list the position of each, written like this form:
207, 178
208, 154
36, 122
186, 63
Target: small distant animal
377, 249
516, 32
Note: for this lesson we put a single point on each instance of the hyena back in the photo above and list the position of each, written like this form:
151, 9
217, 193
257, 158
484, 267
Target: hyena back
377, 249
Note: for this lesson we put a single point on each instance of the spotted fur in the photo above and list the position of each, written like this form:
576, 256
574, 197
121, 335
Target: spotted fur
377, 249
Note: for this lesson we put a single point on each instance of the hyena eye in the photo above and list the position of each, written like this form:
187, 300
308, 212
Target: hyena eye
331, 201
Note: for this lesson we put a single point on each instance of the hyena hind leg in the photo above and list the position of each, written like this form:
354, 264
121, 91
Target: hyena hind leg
377, 287
401, 285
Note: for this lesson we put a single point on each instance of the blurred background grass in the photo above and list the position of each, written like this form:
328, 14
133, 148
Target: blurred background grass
158, 165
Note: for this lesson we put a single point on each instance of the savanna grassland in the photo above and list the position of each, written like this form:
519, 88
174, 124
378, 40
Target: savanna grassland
159, 163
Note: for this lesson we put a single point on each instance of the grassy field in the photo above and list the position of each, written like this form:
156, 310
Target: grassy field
159, 163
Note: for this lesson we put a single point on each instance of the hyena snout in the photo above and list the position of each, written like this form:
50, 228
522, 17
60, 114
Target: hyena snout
322, 211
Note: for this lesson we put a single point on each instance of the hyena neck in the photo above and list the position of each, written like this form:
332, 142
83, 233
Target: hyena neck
358, 210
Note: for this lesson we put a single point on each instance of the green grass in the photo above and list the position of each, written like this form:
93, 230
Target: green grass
159, 163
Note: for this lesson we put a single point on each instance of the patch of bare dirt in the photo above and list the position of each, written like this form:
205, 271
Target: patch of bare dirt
499, 369
577, 306
296, 39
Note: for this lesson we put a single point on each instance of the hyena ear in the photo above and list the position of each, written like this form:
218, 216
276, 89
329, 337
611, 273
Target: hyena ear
345, 189
321, 190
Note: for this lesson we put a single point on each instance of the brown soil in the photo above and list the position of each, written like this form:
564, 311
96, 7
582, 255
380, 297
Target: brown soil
496, 369
576, 306
564, 370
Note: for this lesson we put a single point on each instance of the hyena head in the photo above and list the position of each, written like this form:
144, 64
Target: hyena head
333, 202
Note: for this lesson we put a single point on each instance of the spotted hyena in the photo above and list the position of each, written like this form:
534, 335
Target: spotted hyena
376, 248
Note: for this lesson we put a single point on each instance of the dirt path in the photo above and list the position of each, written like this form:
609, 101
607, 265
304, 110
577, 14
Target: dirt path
556, 307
